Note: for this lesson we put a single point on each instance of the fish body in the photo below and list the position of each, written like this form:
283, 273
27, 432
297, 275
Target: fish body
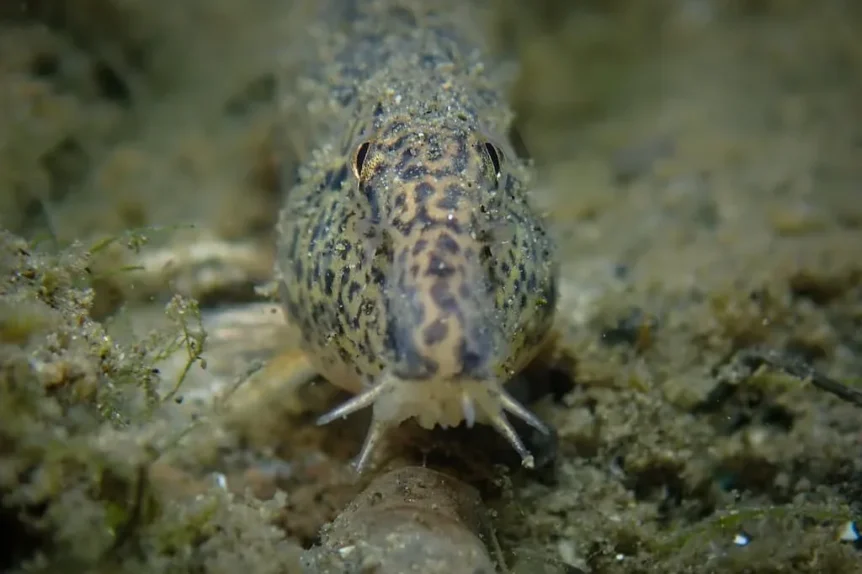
410, 262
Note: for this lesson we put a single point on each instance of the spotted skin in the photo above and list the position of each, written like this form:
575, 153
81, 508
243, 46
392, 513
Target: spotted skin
417, 274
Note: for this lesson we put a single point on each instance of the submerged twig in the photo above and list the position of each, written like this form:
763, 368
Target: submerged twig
411, 519
755, 358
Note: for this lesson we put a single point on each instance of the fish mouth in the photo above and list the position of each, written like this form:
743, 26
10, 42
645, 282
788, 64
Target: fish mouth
444, 403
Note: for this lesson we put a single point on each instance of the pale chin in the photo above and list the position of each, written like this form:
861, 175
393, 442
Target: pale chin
431, 403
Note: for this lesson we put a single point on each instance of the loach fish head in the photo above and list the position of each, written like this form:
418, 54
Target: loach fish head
468, 275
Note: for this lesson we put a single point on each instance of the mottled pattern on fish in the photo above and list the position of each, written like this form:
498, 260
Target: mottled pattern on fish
409, 259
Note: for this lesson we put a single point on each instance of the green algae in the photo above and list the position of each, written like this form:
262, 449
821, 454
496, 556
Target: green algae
76, 460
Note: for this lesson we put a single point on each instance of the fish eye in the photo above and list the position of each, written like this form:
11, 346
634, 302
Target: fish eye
359, 158
495, 155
